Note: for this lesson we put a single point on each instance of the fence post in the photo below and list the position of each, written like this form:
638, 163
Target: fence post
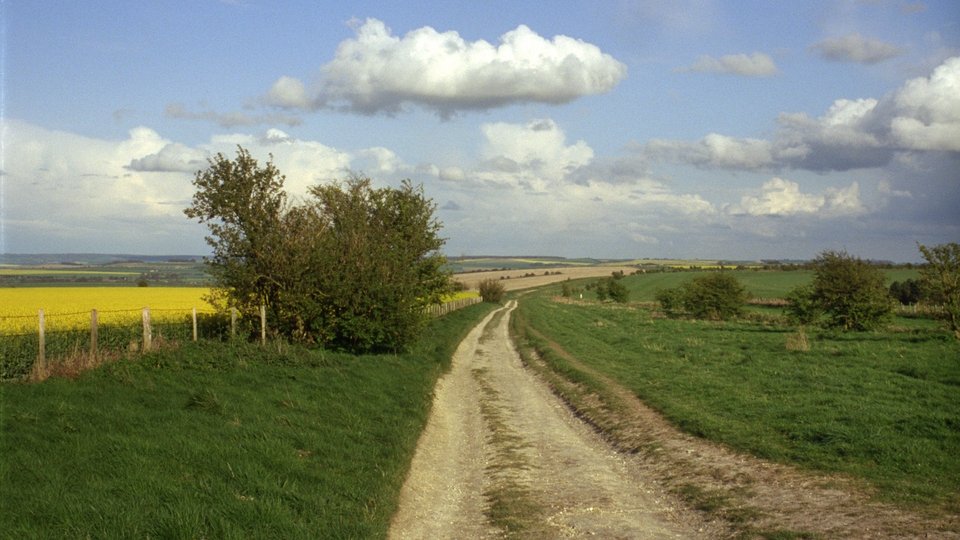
147, 333
94, 331
41, 349
194, 324
233, 322
263, 324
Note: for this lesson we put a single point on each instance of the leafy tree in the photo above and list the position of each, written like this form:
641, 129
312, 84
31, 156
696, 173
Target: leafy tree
351, 268
717, 296
243, 205
491, 290
851, 292
941, 280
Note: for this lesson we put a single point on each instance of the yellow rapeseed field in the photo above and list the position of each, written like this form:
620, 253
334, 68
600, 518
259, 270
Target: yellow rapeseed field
69, 307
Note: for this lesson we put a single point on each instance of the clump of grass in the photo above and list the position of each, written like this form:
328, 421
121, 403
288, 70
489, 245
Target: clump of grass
798, 342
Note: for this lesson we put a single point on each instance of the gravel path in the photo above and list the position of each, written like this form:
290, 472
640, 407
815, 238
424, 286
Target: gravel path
502, 456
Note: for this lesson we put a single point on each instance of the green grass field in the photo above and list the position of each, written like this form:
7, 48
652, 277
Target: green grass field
760, 283
220, 441
880, 406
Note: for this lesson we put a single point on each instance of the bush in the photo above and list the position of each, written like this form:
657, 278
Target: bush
906, 292
851, 292
617, 291
491, 290
941, 280
717, 296
801, 307
671, 300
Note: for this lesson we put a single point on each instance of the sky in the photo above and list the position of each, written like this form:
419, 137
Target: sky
736, 130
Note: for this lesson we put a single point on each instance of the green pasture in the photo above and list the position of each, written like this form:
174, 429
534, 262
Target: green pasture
217, 440
643, 287
879, 406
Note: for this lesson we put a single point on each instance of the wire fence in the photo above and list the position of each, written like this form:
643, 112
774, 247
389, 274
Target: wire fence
36, 346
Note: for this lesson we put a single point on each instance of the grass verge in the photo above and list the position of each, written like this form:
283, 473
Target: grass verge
220, 441
879, 406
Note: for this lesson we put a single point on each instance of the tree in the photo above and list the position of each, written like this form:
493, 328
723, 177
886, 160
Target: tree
941, 280
243, 205
617, 291
378, 264
851, 292
352, 268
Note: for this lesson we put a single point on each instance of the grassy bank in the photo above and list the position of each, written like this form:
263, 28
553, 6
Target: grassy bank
220, 441
879, 406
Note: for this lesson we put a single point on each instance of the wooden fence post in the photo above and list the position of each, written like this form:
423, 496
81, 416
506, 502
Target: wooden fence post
147, 331
42, 348
233, 322
194, 324
94, 331
263, 324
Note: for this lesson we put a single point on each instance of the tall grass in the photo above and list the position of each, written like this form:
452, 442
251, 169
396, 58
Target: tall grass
881, 406
220, 441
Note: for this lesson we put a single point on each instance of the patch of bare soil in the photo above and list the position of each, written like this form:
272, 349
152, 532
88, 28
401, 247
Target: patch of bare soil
755, 497
502, 456
514, 280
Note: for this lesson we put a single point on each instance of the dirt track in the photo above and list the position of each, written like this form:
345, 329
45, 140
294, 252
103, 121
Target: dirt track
501, 454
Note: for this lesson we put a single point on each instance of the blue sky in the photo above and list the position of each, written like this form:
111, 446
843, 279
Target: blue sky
620, 129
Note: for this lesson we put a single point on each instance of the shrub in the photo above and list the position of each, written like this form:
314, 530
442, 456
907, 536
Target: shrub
491, 290
801, 308
617, 291
941, 280
851, 292
906, 292
718, 296
671, 300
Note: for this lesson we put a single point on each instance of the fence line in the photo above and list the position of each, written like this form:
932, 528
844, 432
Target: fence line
11, 368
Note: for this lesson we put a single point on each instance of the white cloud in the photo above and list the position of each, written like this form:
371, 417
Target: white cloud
780, 197
68, 192
927, 113
173, 157
378, 72
922, 115
537, 147
856, 48
756, 64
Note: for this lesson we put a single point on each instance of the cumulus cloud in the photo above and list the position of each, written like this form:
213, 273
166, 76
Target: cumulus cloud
69, 192
856, 48
173, 157
780, 197
922, 115
378, 72
756, 64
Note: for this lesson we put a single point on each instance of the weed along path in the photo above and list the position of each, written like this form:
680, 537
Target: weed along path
502, 456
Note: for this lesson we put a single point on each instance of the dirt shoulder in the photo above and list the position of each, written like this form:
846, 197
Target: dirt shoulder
754, 497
